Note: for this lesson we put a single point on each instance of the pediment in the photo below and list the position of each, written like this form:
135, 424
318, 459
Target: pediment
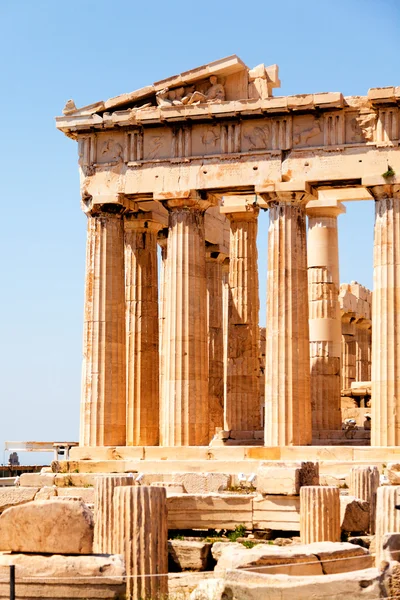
227, 79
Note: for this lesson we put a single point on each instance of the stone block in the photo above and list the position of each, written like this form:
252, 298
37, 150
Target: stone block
57, 526
210, 511
63, 577
85, 493
286, 478
36, 480
75, 479
364, 584
354, 514
46, 493
276, 512
311, 559
202, 483
13, 496
170, 486
189, 555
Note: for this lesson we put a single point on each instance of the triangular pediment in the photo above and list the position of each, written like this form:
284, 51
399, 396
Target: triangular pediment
227, 79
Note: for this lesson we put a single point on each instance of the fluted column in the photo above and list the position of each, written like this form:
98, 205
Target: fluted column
387, 516
163, 243
242, 408
214, 260
141, 296
364, 482
225, 311
324, 313
363, 340
319, 514
141, 536
287, 374
348, 351
386, 318
184, 411
104, 519
103, 404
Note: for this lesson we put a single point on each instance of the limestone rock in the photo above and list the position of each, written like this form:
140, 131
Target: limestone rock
286, 478
354, 514
202, 483
37, 480
12, 496
170, 486
47, 526
86, 494
189, 555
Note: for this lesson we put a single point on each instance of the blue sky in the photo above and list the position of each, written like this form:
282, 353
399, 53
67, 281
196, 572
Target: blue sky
92, 50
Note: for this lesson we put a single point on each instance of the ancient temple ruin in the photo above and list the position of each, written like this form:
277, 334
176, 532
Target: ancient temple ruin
186, 164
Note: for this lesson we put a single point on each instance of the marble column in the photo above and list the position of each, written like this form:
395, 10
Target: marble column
141, 296
363, 341
225, 310
163, 243
184, 410
214, 260
287, 375
348, 350
103, 405
386, 318
242, 407
324, 313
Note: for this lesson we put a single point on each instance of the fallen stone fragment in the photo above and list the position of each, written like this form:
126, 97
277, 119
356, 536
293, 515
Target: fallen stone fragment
57, 526
354, 514
189, 555
286, 479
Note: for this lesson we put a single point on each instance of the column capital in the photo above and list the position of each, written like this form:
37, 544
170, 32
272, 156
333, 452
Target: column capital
381, 192
185, 199
162, 238
324, 208
274, 197
240, 208
144, 221
110, 204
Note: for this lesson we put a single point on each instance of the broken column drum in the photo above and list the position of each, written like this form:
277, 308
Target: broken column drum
104, 517
141, 536
319, 514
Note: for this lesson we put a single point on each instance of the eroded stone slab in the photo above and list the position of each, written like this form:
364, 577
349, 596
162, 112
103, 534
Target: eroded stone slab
12, 496
189, 555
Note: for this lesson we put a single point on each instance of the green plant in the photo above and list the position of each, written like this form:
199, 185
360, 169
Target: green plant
389, 172
88, 485
178, 537
248, 544
239, 532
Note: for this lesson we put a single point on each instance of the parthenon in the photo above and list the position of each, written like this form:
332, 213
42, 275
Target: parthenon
171, 358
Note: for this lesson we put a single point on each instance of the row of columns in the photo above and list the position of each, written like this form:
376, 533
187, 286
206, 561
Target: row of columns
125, 347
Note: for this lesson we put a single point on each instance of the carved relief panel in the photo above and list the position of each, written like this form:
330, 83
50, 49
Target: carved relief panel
110, 148
308, 131
360, 127
206, 140
157, 143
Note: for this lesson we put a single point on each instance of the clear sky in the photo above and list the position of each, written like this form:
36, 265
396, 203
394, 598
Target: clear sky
91, 50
